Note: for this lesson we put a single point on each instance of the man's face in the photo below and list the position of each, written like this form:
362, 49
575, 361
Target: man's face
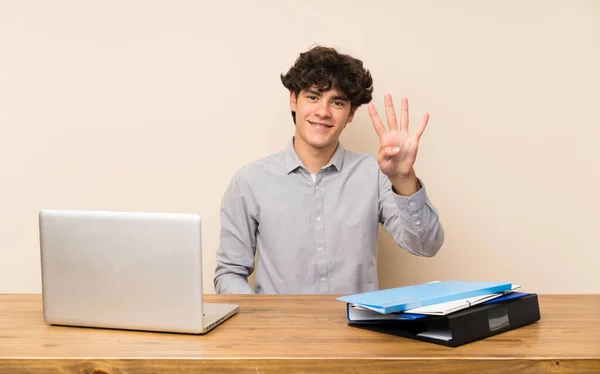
320, 116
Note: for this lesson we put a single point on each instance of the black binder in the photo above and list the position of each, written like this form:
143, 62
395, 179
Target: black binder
464, 326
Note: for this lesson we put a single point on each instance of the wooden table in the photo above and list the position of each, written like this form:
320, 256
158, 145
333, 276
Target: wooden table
283, 334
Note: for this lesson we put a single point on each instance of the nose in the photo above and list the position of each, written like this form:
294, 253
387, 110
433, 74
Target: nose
323, 110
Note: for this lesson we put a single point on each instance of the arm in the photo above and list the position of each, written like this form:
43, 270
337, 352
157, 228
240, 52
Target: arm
404, 208
235, 256
412, 221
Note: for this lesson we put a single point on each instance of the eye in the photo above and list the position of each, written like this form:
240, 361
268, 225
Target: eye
339, 103
311, 98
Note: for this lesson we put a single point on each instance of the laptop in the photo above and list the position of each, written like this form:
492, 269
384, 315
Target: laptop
125, 270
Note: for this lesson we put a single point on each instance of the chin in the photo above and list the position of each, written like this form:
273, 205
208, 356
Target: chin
320, 143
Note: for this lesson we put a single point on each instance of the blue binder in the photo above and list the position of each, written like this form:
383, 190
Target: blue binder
399, 299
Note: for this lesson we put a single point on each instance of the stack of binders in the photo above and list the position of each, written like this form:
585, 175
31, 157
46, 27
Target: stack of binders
450, 313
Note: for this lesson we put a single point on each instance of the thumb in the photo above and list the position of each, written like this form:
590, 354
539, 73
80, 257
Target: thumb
390, 152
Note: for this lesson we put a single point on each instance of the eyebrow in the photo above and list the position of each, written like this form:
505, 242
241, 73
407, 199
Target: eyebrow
337, 97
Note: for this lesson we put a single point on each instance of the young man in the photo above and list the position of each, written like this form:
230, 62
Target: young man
311, 212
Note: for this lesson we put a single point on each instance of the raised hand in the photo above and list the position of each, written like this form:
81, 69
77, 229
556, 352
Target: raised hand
397, 147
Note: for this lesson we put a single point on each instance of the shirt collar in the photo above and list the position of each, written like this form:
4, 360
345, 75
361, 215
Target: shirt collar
292, 161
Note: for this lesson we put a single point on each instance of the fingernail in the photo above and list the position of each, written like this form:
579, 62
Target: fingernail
395, 149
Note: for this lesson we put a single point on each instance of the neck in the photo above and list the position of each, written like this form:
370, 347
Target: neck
313, 158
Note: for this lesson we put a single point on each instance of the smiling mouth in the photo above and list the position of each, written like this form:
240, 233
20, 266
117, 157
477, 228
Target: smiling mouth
320, 125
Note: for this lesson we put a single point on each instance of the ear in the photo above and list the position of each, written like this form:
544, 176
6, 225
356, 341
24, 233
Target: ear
293, 101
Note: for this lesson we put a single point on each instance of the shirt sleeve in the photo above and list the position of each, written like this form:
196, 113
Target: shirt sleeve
412, 221
235, 255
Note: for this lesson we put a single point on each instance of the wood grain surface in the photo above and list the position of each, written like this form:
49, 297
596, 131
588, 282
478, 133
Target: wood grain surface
296, 333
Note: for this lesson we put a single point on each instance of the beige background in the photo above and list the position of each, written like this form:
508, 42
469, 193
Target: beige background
152, 106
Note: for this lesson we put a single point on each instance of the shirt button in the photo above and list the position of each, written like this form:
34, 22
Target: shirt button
322, 279
412, 203
317, 187
418, 222
320, 249
318, 218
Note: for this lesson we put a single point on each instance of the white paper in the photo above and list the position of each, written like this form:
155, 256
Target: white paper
437, 334
358, 313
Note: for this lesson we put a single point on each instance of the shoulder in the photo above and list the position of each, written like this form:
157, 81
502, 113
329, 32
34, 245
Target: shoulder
360, 160
259, 170
363, 168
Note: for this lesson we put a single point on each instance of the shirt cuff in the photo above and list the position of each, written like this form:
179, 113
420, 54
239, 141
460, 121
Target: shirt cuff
413, 203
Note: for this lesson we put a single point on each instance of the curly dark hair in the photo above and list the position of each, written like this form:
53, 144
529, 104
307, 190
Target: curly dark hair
326, 68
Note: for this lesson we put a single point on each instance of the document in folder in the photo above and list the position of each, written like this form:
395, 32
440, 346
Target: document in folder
448, 307
358, 314
400, 299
